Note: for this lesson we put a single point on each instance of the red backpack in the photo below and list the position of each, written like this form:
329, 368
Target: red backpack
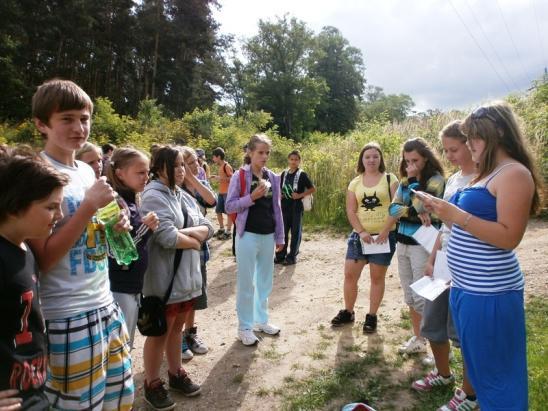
241, 172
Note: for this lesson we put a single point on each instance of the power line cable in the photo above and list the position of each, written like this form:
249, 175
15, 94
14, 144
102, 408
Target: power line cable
479, 47
539, 37
527, 77
501, 62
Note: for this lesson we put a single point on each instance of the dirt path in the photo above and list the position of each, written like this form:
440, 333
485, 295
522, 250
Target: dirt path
305, 297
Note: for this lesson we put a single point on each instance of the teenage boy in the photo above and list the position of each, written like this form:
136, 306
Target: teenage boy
30, 205
89, 361
295, 185
225, 172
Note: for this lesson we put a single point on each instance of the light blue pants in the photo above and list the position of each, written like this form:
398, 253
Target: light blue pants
129, 303
255, 258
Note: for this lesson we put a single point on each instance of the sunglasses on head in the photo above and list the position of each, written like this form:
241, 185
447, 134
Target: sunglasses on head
483, 112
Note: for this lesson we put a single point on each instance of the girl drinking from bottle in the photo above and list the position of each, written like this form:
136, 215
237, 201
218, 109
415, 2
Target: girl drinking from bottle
179, 228
260, 231
488, 220
128, 175
419, 170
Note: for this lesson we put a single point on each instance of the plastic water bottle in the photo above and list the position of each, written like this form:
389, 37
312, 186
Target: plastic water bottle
121, 244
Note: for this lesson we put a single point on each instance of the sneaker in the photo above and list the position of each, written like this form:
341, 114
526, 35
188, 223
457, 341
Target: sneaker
429, 360
432, 379
186, 353
289, 261
279, 260
195, 343
227, 235
247, 337
370, 324
219, 233
413, 345
182, 383
459, 402
268, 328
157, 396
343, 317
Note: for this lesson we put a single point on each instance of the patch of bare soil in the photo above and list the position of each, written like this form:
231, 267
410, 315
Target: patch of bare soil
304, 299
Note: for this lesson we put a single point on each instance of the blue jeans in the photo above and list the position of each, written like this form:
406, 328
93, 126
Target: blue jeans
255, 259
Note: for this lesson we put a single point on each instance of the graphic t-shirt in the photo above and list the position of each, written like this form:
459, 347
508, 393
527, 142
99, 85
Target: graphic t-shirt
79, 281
260, 219
23, 349
303, 184
373, 202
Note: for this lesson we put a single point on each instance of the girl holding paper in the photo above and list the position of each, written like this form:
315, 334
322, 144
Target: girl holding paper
367, 201
421, 171
488, 221
437, 325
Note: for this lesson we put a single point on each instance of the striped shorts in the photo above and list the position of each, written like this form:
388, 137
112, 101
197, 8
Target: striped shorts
89, 362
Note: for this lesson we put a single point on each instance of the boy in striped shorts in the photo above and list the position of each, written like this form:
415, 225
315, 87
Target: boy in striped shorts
89, 365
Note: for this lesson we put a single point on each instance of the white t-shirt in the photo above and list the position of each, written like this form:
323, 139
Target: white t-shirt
454, 182
79, 281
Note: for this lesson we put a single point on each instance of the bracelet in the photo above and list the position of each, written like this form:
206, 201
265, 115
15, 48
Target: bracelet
466, 220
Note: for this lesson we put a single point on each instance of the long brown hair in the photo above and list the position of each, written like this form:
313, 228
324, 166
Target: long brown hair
497, 126
122, 158
164, 158
432, 166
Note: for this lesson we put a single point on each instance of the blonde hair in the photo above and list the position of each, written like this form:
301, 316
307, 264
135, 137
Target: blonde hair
122, 158
86, 148
497, 125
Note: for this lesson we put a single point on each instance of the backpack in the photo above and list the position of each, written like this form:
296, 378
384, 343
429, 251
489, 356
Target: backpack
241, 174
306, 200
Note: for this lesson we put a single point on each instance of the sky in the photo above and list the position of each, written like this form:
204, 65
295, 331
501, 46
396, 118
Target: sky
445, 54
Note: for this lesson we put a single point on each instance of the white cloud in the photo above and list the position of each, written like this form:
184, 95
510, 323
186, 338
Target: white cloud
421, 47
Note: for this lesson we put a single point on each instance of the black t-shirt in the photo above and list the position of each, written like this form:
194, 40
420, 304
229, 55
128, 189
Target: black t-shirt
303, 184
260, 219
23, 350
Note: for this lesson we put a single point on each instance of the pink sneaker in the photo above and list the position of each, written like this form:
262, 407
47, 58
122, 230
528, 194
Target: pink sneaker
459, 403
432, 379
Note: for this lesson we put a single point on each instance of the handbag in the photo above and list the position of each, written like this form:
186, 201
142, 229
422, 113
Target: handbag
151, 319
308, 201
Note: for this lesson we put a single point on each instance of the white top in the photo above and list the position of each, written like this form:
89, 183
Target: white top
454, 182
79, 281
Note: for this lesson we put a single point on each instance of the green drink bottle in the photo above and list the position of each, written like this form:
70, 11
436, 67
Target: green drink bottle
121, 244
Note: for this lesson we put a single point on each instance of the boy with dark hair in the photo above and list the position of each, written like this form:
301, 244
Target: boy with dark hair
225, 172
295, 185
89, 360
30, 205
108, 150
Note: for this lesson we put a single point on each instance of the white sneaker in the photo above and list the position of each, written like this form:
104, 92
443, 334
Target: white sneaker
268, 328
413, 345
430, 362
247, 337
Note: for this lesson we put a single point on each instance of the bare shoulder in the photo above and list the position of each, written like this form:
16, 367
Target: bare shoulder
516, 177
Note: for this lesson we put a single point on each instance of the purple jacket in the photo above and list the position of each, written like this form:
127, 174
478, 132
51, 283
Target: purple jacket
236, 204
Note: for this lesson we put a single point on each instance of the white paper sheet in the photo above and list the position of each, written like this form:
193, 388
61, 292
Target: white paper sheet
429, 287
441, 268
375, 248
426, 236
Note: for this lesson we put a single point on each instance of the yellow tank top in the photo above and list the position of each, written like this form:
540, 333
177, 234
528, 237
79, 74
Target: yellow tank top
373, 202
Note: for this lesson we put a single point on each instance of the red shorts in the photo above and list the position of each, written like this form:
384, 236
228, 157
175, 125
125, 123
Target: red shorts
178, 308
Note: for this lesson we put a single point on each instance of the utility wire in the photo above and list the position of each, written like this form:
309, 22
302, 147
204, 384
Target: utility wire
527, 77
479, 47
539, 37
501, 62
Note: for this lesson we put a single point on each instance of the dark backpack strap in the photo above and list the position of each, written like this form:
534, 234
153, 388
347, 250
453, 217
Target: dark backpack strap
389, 188
176, 260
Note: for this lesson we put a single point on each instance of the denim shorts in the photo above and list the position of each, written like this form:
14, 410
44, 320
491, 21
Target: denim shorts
354, 250
220, 206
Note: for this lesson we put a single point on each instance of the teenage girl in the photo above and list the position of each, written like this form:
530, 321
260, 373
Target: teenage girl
437, 325
179, 228
91, 155
419, 170
367, 201
488, 221
128, 175
260, 231
201, 191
